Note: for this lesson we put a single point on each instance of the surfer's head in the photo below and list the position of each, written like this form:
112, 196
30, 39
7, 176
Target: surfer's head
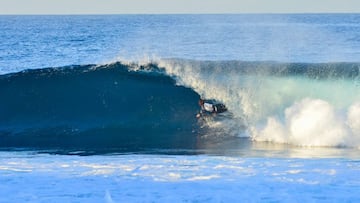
201, 102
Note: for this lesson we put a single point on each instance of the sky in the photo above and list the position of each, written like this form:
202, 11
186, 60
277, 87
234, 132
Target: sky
176, 6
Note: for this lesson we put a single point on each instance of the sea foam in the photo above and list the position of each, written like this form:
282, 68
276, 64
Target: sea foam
312, 122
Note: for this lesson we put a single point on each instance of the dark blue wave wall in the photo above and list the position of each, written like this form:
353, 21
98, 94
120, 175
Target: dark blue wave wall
105, 107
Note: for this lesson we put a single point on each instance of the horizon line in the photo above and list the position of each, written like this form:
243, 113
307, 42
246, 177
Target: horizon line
180, 13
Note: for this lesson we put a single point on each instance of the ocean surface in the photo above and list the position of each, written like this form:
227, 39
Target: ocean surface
103, 108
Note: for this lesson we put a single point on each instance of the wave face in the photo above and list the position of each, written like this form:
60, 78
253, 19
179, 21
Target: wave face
98, 107
304, 104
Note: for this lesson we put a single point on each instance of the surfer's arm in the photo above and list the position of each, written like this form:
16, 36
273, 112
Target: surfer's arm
200, 114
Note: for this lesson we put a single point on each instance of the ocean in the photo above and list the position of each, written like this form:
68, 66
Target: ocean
102, 108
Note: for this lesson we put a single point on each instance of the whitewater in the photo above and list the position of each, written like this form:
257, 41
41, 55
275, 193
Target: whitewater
107, 105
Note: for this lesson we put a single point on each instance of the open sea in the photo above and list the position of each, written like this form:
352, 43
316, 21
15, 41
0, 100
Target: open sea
102, 108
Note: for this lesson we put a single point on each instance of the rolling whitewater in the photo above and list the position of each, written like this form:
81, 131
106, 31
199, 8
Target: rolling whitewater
112, 101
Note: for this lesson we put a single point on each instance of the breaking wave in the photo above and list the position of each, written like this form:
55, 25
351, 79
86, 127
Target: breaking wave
304, 104
153, 104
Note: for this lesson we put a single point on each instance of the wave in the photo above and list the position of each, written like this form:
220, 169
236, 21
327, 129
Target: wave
107, 106
153, 104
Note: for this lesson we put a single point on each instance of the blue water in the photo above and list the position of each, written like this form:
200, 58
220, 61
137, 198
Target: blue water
114, 86
53, 41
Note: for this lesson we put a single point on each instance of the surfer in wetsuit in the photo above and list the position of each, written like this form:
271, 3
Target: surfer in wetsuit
210, 108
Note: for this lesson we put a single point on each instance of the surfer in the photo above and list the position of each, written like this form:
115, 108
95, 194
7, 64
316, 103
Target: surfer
210, 107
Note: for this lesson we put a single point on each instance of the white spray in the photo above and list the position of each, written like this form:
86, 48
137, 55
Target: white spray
286, 109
